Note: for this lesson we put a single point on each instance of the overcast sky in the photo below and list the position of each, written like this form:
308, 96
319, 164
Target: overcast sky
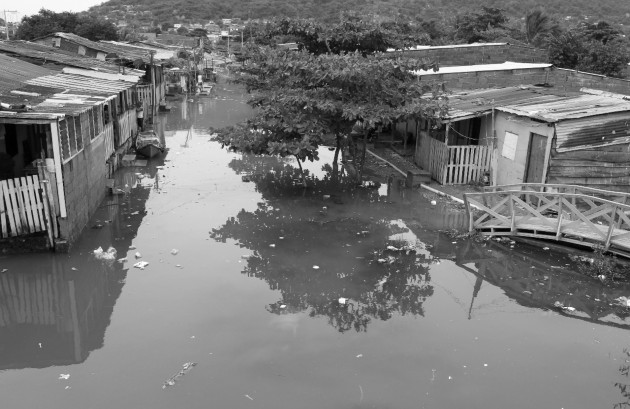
27, 7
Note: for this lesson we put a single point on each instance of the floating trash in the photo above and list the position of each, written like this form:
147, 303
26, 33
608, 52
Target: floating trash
343, 300
64, 376
141, 265
173, 379
315, 267
138, 255
109, 255
174, 251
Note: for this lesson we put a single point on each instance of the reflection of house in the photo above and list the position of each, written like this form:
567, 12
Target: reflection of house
528, 134
78, 122
57, 317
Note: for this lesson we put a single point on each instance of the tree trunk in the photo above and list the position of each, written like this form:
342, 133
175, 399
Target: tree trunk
360, 173
335, 165
301, 170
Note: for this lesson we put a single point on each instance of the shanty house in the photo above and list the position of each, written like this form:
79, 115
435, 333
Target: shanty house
529, 134
61, 136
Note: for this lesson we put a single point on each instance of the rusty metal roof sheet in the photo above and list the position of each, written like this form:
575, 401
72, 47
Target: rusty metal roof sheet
13, 72
569, 107
593, 131
468, 104
49, 56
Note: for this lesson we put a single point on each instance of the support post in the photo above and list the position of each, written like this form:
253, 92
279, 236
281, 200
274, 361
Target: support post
61, 194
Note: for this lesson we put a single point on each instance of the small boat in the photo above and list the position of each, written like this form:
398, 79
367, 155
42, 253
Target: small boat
148, 144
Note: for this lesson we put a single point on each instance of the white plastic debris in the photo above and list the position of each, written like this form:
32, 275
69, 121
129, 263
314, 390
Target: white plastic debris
392, 248
360, 356
433, 202
64, 376
173, 379
283, 306
545, 248
122, 260
382, 260
174, 251
74, 269
315, 267
109, 255
343, 300
4, 270
326, 197
141, 265
138, 255
272, 245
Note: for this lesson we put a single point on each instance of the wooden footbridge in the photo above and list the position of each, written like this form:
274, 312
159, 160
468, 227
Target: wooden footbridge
572, 214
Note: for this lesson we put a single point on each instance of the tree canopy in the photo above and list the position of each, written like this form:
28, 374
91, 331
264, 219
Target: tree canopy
306, 100
47, 22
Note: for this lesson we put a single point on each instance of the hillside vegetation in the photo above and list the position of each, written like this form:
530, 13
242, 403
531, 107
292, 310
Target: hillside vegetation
614, 11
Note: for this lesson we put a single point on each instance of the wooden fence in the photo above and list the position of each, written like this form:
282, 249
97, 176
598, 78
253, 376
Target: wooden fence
466, 164
127, 126
453, 165
26, 207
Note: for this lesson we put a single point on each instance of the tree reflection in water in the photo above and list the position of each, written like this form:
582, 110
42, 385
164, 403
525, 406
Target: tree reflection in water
316, 251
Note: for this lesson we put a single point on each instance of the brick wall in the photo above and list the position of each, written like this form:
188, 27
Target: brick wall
472, 55
571, 80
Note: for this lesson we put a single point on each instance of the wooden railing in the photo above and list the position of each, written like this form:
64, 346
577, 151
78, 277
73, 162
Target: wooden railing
620, 197
570, 217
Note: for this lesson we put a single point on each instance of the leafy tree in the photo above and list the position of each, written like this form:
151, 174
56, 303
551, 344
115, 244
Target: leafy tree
471, 27
182, 30
198, 32
306, 100
96, 29
591, 49
538, 27
46, 22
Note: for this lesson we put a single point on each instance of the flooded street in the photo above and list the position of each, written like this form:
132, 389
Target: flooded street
285, 297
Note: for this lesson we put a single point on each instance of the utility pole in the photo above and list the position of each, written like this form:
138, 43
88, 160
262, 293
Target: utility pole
153, 90
6, 23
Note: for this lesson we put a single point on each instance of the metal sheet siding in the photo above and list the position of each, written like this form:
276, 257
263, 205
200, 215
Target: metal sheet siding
594, 131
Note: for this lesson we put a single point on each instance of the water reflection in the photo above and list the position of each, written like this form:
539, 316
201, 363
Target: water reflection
55, 308
294, 226
369, 272
538, 280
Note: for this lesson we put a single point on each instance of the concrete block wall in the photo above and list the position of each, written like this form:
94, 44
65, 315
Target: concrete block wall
571, 80
485, 54
84, 180
490, 79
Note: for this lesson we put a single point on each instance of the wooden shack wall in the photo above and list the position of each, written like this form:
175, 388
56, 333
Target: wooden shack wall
606, 167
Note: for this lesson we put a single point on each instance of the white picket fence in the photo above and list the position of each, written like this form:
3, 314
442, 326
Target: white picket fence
24, 207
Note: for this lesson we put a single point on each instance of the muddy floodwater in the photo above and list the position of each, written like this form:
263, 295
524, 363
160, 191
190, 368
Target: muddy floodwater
259, 293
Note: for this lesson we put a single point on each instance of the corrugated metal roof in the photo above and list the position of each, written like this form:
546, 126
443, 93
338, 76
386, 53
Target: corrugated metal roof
13, 72
80, 83
593, 131
160, 53
47, 54
109, 49
480, 102
570, 107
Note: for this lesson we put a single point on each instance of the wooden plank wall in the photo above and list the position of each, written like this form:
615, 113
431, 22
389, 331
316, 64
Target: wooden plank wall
21, 207
602, 168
